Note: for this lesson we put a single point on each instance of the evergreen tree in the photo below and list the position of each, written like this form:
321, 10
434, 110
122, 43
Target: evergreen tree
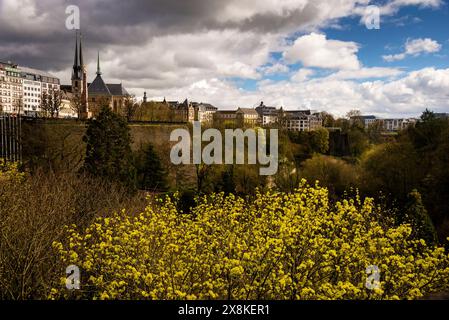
416, 215
151, 174
108, 149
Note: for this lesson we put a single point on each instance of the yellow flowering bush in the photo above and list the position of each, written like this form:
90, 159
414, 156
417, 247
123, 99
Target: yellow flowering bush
9, 171
276, 246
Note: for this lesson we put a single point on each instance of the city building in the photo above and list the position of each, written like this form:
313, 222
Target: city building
67, 110
366, 121
301, 120
204, 112
79, 90
22, 88
101, 93
11, 86
184, 111
37, 85
225, 117
392, 125
267, 115
247, 116
87, 98
388, 125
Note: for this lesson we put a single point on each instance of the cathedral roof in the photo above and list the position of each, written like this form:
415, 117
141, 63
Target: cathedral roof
99, 87
117, 89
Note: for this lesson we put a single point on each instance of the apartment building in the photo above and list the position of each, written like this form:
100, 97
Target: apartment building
21, 88
32, 94
247, 116
11, 88
204, 112
393, 125
388, 125
267, 115
225, 116
302, 120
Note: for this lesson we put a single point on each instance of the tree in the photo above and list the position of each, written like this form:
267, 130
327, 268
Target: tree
226, 182
151, 175
320, 140
333, 173
428, 116
328, 120
202, 173
18, 106
416, 215
279, 246
354, 114
108, 149
393, 168
374, 132
130, 107
51, 103
358, 141
76, 105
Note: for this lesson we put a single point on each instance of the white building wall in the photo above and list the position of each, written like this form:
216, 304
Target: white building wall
32, 93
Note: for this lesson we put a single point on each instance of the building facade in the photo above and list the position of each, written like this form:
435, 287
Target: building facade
11, 86
204, 112
302, 120
267, 115
37, 85
247, 117
184, 111
22, 89
388, 125
225, 116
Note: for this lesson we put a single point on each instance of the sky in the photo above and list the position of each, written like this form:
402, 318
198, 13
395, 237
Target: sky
298, 54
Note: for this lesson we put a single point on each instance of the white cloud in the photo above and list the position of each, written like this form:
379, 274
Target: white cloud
315, 50
276, 68
366, 73
405, 96
415, 47
302, 75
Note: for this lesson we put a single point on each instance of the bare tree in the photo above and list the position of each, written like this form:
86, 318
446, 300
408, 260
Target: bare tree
57, 102
130, 107
76, 105
51, 103
353, 114
18, 106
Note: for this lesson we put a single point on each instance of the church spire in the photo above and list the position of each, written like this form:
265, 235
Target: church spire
98, 65
75, 63
81, 51
75, 74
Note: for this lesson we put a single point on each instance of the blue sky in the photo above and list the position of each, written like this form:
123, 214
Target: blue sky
408, 24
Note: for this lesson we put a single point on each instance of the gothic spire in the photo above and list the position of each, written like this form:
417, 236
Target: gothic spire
98, 65
81, 51
75, 74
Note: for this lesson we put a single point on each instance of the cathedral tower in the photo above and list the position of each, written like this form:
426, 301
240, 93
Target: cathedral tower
79, 80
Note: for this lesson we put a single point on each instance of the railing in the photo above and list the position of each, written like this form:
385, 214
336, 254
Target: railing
10, 137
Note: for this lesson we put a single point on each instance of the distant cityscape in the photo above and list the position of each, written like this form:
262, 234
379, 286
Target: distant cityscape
32, 93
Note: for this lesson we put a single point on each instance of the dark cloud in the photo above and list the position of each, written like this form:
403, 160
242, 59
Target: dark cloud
116, 22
